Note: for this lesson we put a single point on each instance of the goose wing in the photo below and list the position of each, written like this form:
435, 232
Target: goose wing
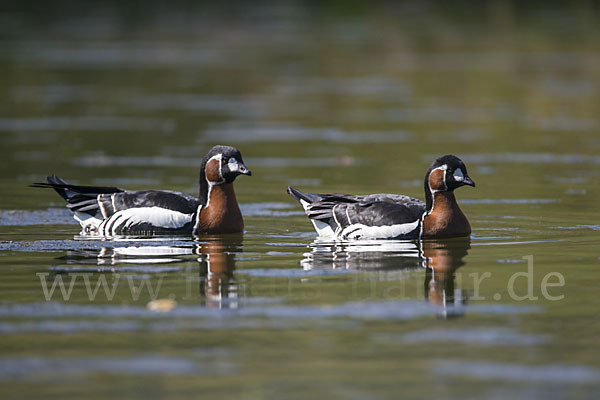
112, 210
376, 216
104, 201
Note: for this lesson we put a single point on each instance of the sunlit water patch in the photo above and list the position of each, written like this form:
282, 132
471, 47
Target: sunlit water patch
592, 227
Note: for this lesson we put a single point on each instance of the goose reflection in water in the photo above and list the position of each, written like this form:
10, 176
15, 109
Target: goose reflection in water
439, 258
218, 286
132, 254
442, 259
216, 255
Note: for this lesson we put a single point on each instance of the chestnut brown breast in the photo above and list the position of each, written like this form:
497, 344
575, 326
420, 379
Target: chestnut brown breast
222, 215
446, 219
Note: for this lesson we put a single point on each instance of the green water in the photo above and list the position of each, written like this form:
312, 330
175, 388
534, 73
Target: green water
328, 98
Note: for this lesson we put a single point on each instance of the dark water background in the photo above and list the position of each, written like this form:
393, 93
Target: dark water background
328, 97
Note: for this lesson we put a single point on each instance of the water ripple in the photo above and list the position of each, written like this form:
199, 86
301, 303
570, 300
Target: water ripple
95, 124
241, 132
478, 337
509, 201
291, 272
51, 369
528, 158
51, 216
592, 227
553, 373
392, 309
155, 269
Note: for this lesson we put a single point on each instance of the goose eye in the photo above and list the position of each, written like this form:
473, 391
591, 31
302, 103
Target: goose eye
233, 164
458, 175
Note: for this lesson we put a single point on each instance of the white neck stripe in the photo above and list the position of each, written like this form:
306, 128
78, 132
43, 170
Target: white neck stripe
433, 192
441, 168
217, 157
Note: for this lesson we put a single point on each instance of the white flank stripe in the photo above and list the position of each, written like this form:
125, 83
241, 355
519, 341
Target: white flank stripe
348, 216
323, 229
101, 205
360, 231
335, 218
156, 216
305, 204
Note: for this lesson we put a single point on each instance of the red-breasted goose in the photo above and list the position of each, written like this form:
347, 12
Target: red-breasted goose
113, 211
393, 216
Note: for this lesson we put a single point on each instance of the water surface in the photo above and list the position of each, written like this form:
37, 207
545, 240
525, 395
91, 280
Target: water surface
329, 99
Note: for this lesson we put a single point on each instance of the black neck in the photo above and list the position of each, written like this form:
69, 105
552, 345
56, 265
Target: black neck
203, 196
428, 195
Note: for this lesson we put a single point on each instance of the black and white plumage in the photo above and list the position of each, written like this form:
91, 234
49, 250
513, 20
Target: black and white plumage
361, 217
107, 211
390, 216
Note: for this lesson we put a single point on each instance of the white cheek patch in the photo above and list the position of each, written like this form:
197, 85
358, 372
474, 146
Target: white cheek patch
458, 175
233, 165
